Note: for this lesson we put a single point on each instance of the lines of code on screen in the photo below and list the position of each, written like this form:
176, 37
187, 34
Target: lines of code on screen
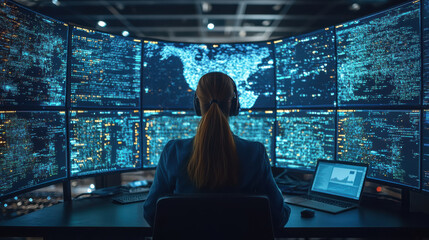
306, 70
379, 58
104, 141
33, 52
172, 71
304, 136
387, 140
425, 136
163, 126
105, 70
32, 149
426, 51
255, 126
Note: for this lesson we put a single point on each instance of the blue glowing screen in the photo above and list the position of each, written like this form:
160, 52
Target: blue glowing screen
171, 72
387, 140
32, 149
425, 136
33, 52
104, 141
306, 70
162, 126
105, 70
303, 137
257, 126
425, 22
379, 58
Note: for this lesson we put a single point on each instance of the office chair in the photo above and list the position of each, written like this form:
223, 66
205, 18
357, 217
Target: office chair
213, 217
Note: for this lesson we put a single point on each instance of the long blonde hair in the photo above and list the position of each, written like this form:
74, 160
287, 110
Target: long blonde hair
214, 161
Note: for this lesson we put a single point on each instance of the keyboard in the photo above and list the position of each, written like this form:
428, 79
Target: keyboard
130, 197
331, 201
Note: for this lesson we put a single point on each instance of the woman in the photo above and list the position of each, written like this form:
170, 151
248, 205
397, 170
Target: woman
215, 160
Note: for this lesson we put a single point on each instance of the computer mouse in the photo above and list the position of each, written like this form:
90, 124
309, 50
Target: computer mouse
307, 213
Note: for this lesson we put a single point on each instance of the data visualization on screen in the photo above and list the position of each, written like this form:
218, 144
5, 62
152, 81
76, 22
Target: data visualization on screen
105, 70
32, 149
104, 141
425, 136
379, 58
162, 126
171, 72
387, 140
425, 43
306, 70
33, 67
257, 126
303, 137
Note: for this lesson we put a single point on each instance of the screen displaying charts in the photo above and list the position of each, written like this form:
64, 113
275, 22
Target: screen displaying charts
379, 58
303, 137
162, 126
104, 141
306, 70
387, 140
257, 126
171, 72
33, 52
32, 149
105, 70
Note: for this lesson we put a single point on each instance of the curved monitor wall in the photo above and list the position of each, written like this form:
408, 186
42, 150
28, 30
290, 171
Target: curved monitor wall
352, 92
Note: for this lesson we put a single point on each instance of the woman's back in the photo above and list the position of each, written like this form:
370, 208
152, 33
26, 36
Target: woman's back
254, 176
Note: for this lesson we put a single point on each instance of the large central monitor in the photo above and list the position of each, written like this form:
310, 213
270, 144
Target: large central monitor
161, 126
104, 141
32, 149
171, 72
303, 137
387, 140
33, 50
379, 58
306, 70
105, 70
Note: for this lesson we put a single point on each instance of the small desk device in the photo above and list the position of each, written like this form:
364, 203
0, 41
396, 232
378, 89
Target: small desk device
337, 187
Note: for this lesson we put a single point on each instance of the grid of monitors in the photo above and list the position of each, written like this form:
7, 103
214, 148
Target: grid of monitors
105, 70
32, 149
162, 126
255, 126
425, 24
171, 72
104, 141
425, 136
303, 137
33, 67
387, 140
306, 70
379, 58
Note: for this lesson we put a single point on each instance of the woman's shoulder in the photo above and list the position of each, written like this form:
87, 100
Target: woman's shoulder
241, 141
179, 145
247, 145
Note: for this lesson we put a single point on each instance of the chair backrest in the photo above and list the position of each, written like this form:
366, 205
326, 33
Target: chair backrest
213, 217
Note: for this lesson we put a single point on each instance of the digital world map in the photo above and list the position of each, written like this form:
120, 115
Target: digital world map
172, 71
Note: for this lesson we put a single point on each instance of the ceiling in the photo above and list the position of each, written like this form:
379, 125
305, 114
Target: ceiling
187, 20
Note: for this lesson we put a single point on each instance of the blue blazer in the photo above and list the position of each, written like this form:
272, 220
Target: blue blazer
171, 177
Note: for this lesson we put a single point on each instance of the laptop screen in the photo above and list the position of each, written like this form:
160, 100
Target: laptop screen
339, 179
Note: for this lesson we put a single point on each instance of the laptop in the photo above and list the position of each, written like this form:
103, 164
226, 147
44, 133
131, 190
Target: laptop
336, 187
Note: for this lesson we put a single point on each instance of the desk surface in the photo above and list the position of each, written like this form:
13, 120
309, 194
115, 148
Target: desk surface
100, 213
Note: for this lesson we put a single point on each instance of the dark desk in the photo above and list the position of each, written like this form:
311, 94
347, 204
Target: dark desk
100, 218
